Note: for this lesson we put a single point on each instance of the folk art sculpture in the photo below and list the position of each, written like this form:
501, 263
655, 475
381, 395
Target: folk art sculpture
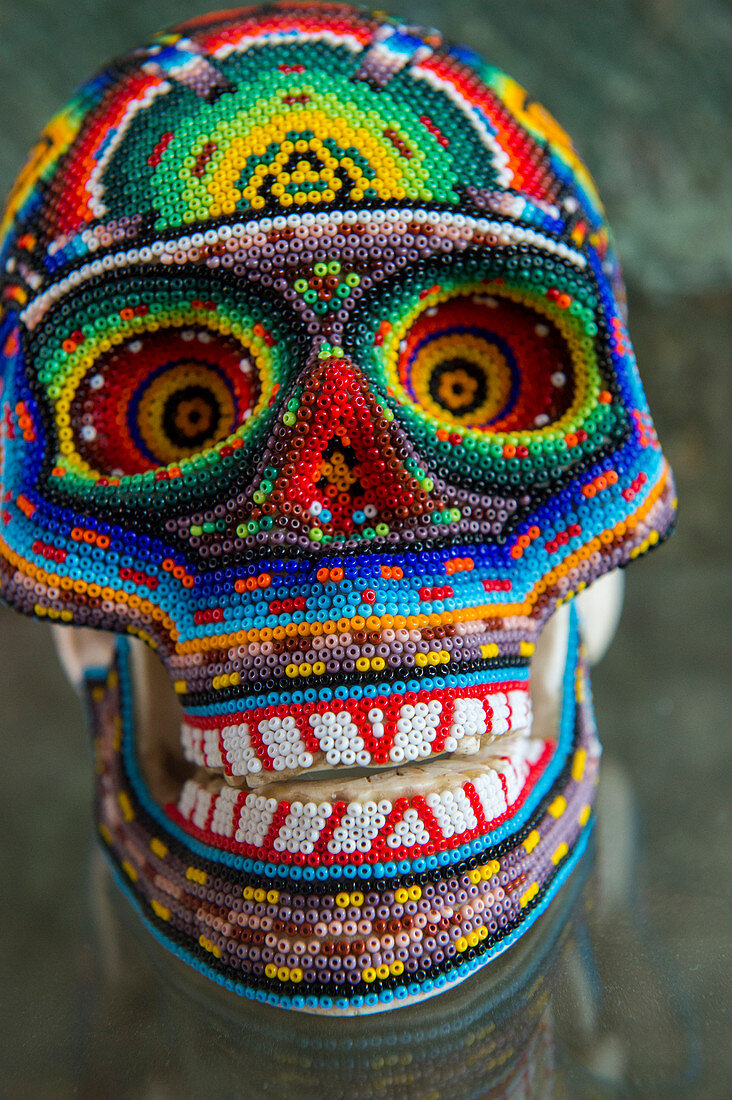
318, 409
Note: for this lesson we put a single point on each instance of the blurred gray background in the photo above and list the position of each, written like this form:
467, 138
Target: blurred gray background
643, 86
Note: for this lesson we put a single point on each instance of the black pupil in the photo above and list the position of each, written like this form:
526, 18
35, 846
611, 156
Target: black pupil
459, 385
191, 416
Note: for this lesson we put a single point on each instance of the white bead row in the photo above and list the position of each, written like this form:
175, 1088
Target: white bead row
341, 741
248, 817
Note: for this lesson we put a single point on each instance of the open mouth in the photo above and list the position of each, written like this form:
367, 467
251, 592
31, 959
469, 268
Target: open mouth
343, 889
365, 779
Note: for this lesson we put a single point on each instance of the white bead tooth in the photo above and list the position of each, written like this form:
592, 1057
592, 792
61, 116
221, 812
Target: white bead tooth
187, 799
468, 725
513, 782
255, 819
491, 795
534, 749
518, 701
201, 808
186, 740
222, 821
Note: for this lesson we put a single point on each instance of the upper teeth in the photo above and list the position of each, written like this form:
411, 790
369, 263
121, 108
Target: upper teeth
274, 746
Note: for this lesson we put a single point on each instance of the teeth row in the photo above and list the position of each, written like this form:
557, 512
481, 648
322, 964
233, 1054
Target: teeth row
383, 828
359, 734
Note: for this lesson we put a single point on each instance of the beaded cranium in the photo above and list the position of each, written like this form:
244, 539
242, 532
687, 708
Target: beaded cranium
316, 380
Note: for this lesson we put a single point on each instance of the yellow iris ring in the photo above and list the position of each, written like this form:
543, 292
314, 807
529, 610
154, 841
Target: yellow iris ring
152, 407
84, 359
477, 351
587, 380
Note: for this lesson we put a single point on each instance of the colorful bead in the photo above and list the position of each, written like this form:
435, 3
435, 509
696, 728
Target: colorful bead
454, 887
315, 378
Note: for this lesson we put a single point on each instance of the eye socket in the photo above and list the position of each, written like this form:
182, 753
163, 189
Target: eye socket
486, 361
161, 398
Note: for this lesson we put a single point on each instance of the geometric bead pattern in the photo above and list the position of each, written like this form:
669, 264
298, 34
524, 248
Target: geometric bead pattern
357, 733
336, 941
315, 377
330, 832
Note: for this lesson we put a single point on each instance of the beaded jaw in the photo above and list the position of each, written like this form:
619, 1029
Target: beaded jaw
345, 938
316, 381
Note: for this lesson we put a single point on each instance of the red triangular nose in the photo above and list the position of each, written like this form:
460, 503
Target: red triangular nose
342, 464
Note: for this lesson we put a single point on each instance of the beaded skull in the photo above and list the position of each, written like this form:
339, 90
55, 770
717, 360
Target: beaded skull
316, 380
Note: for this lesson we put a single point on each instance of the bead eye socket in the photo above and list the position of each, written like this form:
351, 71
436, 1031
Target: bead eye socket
487, 362
162, 397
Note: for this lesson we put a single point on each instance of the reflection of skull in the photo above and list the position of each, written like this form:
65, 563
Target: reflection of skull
316, 380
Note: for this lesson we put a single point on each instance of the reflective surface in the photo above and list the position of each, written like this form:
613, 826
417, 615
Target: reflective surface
633, 998
548, 1018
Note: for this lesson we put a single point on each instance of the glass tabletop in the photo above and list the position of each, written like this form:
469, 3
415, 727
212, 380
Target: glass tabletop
622, 987
587, 1003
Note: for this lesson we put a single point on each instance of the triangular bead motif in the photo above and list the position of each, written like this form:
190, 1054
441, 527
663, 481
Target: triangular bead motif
469, 721
409, 832
416, 730
453, 812
345, 466
339, 738
358, 828
284, 745
255, 820
301, 829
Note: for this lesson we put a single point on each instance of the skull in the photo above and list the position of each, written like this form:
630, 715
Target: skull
316, 381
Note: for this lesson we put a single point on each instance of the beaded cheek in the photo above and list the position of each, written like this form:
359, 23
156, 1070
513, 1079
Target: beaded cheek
315, 379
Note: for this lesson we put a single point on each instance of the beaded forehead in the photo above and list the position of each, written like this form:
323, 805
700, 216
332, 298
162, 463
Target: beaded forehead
316, 380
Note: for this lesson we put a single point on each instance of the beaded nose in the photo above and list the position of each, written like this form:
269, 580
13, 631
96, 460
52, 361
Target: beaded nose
336, 462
